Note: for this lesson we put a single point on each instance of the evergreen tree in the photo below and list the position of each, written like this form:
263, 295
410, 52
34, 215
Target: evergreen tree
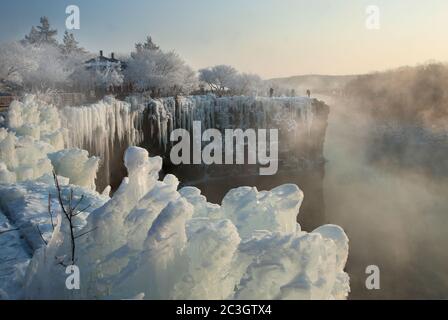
70, 44
147, 45
42, 34
33, 37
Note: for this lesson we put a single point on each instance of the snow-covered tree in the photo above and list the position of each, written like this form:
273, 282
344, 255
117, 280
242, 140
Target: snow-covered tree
42, 34
148, 45
33, 67
226, 79
15, 62
161, 72
219, 78
108, 76
33, 37
51, 70
247, 84
70, 45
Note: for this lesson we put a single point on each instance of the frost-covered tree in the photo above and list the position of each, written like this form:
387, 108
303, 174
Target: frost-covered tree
219, 78
226, 79
147, 45
42, 34
70, 45
32, 67
51, 70
160, 72
15, 62
108, 76
33, 37
247, 84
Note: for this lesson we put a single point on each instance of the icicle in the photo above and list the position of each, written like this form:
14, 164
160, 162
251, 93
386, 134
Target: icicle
95, 127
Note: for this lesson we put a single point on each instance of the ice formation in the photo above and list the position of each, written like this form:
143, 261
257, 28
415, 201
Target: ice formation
153, 240
95, 127
107, 127
289, 113
32, 146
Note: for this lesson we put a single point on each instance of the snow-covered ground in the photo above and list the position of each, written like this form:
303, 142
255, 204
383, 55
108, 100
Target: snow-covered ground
14, 258
150, 239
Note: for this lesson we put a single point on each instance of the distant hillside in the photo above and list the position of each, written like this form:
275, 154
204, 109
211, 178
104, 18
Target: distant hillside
323, 84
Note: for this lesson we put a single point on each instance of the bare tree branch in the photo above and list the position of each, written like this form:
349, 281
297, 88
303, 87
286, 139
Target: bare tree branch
84, 233
49, 210
41, 235
10, 230
78, 203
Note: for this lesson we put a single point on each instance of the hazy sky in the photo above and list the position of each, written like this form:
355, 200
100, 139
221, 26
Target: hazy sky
271, 37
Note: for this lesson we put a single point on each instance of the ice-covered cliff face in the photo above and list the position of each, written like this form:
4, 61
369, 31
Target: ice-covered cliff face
106, 128
291, 115
96, 126
159, 243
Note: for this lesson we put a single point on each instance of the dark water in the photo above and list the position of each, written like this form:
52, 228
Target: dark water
312, 211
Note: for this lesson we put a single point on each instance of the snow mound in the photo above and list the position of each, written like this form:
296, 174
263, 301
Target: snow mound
156, 242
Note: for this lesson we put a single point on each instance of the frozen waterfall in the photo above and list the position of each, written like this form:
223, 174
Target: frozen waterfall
291, 114
108, 127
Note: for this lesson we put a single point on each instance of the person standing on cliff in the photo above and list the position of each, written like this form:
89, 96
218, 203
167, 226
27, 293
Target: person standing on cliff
271, 92
308, 93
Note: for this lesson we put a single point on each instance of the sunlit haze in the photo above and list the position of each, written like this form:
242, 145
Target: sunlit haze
268, 37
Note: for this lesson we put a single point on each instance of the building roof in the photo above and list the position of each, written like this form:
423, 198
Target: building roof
102, 60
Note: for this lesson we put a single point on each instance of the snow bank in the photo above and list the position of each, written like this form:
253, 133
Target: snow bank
26, 205
14, 260
150, 239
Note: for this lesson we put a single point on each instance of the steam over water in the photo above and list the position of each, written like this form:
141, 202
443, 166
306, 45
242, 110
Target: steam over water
395, 219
